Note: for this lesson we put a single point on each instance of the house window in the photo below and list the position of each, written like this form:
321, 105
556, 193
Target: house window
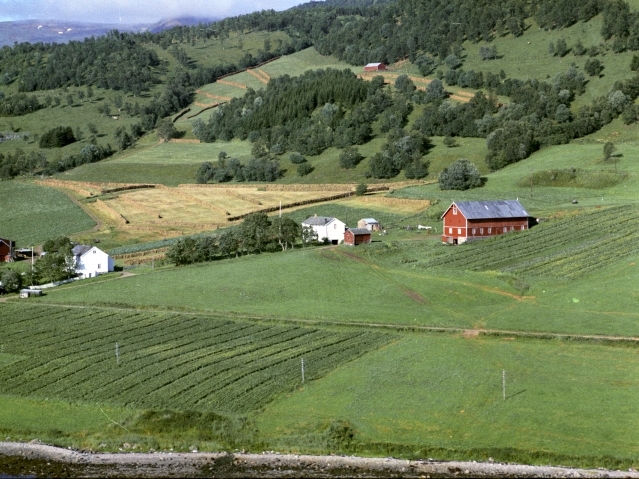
454, 210
99, 266
458, 231
490, 230
474, 230
450, 231
93, 251
481, 231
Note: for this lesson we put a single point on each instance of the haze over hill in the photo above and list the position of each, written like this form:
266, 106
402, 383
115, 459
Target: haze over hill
63, 31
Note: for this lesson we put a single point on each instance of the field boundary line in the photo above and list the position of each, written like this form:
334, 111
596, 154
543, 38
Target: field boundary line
355, 324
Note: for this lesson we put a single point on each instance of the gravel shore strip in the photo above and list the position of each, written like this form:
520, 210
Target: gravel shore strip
156, 464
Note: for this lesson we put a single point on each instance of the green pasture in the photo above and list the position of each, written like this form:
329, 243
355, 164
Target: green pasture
429, 395
302, 61
527, 57
387, 275
77, 116
31, 213
215, 51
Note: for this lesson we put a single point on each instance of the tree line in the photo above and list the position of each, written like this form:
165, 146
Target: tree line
256, 233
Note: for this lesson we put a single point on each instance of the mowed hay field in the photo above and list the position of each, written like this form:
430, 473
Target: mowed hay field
164, 211
31, 213
164, 360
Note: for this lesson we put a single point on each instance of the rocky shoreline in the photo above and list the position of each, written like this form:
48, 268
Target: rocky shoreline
28, 459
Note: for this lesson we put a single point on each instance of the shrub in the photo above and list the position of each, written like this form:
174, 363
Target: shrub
461, 175
361, 189
57, 137
304, 169
350, 157
11, 281
296, 158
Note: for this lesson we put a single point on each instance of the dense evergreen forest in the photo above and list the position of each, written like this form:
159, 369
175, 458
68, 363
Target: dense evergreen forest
323, 109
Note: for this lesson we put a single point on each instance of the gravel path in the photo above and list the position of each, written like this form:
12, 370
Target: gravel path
274, 465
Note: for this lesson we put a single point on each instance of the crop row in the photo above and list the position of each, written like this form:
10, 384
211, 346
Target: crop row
541, 249
165, 360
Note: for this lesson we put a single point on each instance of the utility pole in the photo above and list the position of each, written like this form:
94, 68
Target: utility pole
503, 384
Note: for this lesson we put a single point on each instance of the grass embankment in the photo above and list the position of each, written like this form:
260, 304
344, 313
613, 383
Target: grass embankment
31, 213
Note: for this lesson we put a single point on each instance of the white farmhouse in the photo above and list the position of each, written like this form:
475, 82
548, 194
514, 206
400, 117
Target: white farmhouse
326, 227
91, 261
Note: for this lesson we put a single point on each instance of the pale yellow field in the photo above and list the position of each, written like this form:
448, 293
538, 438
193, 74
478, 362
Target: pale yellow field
165, 211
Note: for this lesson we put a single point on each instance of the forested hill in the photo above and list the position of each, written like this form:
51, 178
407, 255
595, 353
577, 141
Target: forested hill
160, 71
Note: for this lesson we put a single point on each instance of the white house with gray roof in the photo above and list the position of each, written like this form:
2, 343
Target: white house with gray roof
91, 261
326, 227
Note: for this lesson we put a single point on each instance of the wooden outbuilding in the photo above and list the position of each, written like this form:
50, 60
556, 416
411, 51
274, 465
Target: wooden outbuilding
7, 250
374, 67
371, 224
470, 220
356, 236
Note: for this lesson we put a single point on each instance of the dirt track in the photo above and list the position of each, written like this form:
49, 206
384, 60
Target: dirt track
49, 460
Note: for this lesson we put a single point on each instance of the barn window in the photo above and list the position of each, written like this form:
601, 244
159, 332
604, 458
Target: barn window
481, 231
512, 228
523, 227
450, 231
474, 230
454, 210
490, 230
458, 231
505, 229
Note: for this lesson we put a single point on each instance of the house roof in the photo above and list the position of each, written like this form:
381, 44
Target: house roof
370, 220
318, 220
359, 231
81, 249
477, 210
374, 64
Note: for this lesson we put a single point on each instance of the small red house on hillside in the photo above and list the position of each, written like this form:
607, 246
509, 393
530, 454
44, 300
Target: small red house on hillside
7, 250
357, 236
374, 67
470, 220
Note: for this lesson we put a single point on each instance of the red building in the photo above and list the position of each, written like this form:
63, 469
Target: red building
465, 221
374, 67
7, 250
357, 236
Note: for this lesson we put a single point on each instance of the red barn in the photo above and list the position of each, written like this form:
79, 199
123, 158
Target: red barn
7, 250
357, 236
374, 67
470, 220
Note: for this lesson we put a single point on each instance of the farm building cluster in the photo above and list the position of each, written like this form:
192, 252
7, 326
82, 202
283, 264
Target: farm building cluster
334, 231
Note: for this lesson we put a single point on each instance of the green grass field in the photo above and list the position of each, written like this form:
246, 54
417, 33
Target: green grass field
31, 214
389, 274
565, 402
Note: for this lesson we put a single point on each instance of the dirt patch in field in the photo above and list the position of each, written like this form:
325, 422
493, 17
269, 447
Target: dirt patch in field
471, 333
414, 295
